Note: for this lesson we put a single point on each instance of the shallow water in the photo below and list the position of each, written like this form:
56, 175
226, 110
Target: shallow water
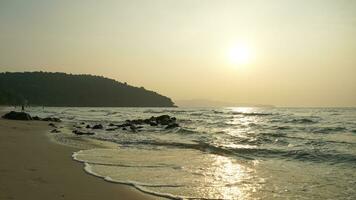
224, 153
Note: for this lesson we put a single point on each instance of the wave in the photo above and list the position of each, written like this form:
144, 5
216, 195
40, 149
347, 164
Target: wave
302, 121
196, 114
278, 127
139, 186
154, 111
186, 131
112, 113
301, 155
255, 153
327, 130
162, 188
287, 119
218, 112
251, 114
201, 146
309, 141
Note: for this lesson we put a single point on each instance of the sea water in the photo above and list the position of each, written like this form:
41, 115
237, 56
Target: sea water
221, 153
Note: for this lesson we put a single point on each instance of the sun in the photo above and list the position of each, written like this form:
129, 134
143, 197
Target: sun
240, 54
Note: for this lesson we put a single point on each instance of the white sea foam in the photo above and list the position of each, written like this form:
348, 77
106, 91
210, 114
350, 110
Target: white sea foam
170, 173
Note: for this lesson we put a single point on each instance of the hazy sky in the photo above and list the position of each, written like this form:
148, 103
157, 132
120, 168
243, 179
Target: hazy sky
301, 52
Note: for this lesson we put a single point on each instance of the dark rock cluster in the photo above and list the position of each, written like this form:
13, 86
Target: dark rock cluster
78, 132
97, 126
55, 131
13, 115
163, 120
50, 119
25, 116
133, 125
17, 116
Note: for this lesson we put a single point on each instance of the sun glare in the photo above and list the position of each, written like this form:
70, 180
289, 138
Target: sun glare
240, 54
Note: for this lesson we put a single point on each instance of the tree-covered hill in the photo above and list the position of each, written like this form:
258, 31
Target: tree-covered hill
60, 89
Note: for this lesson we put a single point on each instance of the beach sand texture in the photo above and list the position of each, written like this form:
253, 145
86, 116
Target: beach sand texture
33, 168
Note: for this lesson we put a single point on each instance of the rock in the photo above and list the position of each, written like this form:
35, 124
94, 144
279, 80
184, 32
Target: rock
76, 126
147, 121
88, 126
82, 123
137, 124
111, 124
51, 119
98, 126
153, 123
164, 120
172, 125
125, 124
36, 118
77, 132
53, 125
17, 116
55, 131
170, 122
138, 121
133, 128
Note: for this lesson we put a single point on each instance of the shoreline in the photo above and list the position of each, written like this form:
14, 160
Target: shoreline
34, 167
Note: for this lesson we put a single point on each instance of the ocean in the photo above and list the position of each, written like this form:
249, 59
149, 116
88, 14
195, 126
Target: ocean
219, 153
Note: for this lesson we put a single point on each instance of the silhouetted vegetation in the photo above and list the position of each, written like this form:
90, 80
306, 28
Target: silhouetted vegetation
60, 89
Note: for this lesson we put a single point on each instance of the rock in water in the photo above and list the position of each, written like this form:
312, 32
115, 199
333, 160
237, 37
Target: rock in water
172, 125
153, 124
163, 119
17, 116
133, 128
55, 131
36, 118
51, 119
166, 120
53, 125
98, 126
77, 132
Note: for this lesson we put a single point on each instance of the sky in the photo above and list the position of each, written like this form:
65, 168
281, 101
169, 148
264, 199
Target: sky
277, 52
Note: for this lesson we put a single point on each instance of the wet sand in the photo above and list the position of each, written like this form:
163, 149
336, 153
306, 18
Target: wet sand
32, 167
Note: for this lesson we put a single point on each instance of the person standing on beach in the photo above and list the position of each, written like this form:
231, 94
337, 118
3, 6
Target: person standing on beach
22, 108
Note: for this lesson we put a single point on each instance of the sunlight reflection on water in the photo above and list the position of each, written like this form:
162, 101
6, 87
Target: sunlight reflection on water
233, 180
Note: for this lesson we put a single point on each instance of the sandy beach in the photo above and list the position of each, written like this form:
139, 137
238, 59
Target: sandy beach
32, 167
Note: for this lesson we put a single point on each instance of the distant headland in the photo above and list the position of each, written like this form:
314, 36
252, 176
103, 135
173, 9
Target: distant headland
61, 89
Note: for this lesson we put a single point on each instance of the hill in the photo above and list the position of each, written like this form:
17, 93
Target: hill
60, 89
